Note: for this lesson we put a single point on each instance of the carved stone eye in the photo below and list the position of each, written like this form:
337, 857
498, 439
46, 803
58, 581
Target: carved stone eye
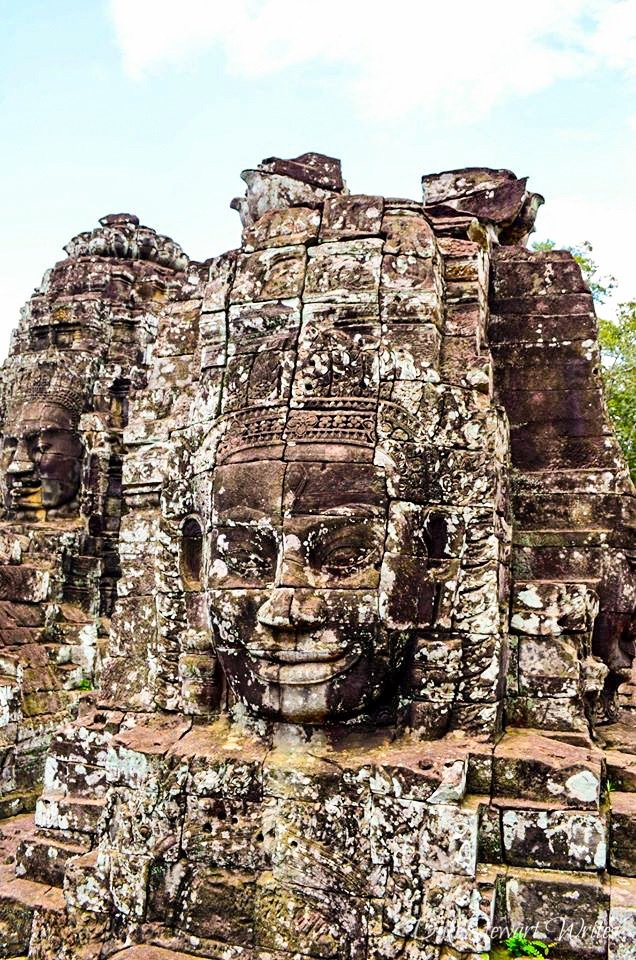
248, 552
343, 559
345, 550
40, 445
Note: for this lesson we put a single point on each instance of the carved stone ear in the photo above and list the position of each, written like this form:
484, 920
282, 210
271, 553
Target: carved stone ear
191, 553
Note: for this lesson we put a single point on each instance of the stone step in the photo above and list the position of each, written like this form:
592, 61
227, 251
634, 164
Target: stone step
19, 900
44, 859
68, 813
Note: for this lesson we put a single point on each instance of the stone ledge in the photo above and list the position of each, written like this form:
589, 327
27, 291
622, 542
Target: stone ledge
146, 952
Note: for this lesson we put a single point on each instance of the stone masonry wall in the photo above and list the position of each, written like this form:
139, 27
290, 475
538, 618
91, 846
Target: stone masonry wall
348, 567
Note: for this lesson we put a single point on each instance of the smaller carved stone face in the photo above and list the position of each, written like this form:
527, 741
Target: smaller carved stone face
41, 457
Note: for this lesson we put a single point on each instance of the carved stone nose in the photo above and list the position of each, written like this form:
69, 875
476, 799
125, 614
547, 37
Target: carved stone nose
21, 461
275, 611
307, 609
287, 608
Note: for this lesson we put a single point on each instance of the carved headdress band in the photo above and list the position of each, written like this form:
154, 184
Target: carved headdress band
332, 397
342, 420
348, 421
58, 388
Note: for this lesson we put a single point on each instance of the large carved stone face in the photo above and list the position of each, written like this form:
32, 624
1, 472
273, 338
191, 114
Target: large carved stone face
304, 609
41, 457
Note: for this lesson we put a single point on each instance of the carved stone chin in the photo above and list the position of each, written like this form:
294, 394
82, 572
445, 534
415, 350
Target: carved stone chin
41, 457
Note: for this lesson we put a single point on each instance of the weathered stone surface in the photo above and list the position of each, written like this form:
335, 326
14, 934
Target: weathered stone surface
294, 544
571, 909
537, 768
553, 838
280, 228
351, 216
623, 833
622, 919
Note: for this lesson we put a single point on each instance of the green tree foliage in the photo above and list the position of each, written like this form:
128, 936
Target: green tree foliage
618, 350
617, 339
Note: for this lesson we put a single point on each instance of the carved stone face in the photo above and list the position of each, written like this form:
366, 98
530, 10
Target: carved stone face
41, 457
301, 601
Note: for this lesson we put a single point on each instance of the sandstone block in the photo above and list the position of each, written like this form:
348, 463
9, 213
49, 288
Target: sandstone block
623, 833
622, 919
553, 838
280, 228
348, 217
346, 271
270, 274
570, 909
533, 767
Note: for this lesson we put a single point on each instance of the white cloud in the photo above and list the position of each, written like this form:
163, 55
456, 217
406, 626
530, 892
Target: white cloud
614, 40
456, 56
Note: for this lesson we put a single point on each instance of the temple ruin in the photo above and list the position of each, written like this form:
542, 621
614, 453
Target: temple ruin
317, 590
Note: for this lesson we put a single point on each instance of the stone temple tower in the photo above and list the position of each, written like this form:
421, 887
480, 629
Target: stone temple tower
316, 590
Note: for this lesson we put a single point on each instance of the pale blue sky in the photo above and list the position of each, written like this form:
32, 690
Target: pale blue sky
154, 107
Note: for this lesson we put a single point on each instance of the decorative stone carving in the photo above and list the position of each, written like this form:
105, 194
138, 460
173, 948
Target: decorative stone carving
343, 550
41, 448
